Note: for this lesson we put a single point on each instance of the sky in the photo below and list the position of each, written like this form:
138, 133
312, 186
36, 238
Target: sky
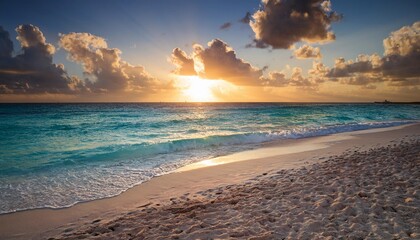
196, 50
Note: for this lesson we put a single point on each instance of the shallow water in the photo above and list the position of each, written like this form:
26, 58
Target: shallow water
54, 155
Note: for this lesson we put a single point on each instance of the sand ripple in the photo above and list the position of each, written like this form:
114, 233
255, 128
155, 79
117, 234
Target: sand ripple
371, 194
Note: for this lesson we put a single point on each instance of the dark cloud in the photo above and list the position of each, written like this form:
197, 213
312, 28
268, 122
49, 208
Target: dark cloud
398, 67
402, 53
6, 45
306, 52
226, 25
32, 71
103, 66
402, 67
184, 64
257, 44
246, 19
280, 24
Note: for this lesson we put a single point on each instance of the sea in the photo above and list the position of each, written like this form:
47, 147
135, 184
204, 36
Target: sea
56, 155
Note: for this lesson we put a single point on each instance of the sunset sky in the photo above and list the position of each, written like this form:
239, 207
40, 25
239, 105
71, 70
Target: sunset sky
236, 50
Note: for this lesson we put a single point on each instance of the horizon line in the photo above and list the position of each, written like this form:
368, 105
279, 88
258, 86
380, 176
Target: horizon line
192, 102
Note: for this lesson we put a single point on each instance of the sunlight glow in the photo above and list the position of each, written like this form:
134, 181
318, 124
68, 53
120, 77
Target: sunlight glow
199, 90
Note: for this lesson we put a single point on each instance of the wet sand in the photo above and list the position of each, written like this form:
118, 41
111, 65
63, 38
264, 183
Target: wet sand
362, 184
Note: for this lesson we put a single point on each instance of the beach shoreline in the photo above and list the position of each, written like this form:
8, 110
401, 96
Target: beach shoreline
221, 172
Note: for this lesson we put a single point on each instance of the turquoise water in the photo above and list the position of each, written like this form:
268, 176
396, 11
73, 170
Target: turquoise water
55, 155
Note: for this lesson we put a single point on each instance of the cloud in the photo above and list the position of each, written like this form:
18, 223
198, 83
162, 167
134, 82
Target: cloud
184, 64
226, 25
398, 67
318, 71
30, 36
246, 19
406, 82
276, 78
404, 41
257, 44
32, 71
365, 71
306, 52
6, 45
402, 53
362, 64
218, 61
103, 66
296, 79
359, 80
280, 24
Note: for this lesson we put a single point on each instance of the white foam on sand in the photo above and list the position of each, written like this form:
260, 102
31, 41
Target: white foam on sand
356, 195
282, 147
348, 185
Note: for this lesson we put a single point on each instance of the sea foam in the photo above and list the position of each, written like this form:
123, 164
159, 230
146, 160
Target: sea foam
57, 155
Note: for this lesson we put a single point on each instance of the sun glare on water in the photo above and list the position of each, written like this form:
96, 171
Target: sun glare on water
199, 90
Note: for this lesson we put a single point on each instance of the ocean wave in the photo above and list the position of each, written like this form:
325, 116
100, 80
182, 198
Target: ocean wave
214, 141
144, 152
64, 187
54, 155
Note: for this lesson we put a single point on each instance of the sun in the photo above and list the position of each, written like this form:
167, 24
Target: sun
199, 90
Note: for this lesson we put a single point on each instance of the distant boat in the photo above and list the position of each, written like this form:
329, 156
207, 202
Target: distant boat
384, 102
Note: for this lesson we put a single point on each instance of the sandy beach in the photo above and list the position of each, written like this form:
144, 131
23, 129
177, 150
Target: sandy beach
266, 119
357, 185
